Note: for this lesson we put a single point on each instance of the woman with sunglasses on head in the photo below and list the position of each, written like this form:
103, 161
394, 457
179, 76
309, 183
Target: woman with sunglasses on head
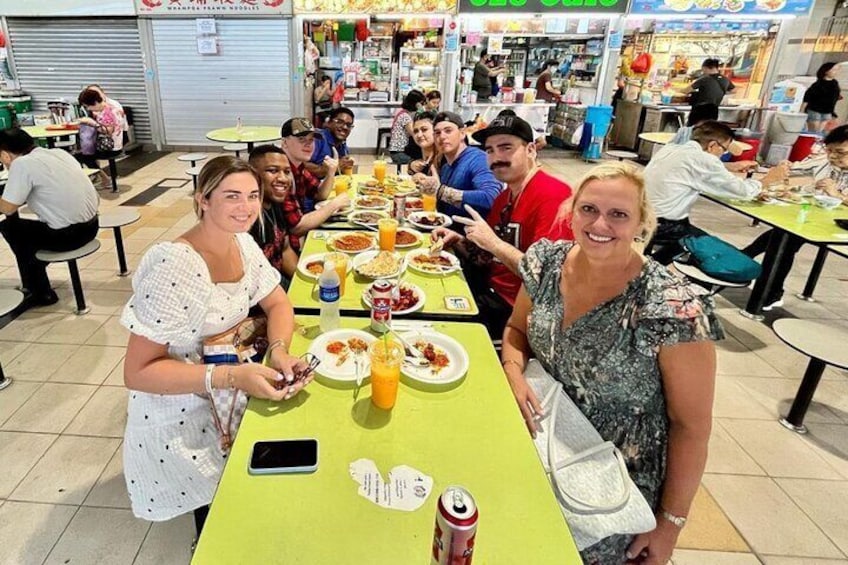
200, 285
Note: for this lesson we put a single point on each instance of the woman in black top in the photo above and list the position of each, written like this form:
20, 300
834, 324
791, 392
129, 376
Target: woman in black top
820, 99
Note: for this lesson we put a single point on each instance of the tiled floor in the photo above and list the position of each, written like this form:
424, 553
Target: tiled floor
769, 496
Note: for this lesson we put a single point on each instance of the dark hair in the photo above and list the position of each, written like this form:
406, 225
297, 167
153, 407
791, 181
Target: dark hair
551, 63
836, 135
412, 100
483, 53
710, 64
434, 94
261, 150
326, 77
16, 141
711, 131
340, 110
702, 113
823, 70
424, 115
89, 97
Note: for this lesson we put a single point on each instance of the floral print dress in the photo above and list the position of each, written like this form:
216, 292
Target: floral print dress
607, 361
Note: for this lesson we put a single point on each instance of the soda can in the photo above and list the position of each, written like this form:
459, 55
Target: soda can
456, 528
400, 207
381, 305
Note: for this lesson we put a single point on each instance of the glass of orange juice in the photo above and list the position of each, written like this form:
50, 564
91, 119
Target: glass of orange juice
341, 184
386, 356
428, 199
388, 232
380, 170
340, 261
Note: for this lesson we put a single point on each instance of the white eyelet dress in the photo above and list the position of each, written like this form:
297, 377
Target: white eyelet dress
172, 456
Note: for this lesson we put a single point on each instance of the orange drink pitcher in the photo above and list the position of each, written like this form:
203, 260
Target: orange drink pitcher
388, 233
340, 262
386, 357
341, 184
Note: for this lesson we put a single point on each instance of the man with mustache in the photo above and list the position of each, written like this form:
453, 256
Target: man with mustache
520, 215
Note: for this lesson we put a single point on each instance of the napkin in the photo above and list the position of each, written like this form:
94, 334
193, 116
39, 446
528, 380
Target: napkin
406, 488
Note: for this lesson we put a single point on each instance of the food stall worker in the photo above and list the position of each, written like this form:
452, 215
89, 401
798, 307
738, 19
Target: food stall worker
678, 174
544, 86
464, 176
333, 136
481, 82
434, 100
521, 215
711, 87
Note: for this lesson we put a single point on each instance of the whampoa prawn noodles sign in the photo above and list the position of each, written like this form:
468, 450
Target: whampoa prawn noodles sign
542, 6
722, 7
212, 7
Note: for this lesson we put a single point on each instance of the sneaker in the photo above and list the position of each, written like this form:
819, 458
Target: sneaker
773, 304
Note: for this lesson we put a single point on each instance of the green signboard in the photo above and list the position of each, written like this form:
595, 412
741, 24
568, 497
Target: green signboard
543, 6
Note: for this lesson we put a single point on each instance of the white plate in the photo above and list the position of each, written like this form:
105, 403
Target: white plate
418, 235
455, 266
422, 298
329, 367
415, 217
331, 243
352, 217
342, 212
455, 352
363, 258
304, 261
382, 205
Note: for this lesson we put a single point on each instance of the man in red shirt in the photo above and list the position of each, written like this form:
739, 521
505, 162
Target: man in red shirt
520, 215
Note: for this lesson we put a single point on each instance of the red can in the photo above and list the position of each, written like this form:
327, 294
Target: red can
456, 528
400, 207
381, 305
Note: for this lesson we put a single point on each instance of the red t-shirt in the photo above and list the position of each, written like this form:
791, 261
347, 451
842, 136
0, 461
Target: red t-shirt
531, 219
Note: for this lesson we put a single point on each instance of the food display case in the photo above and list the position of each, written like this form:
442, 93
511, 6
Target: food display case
419, 69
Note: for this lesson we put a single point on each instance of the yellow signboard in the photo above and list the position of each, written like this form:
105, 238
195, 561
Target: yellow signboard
374, 6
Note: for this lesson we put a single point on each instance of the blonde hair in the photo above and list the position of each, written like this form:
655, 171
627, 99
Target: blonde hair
213, 174
616, 170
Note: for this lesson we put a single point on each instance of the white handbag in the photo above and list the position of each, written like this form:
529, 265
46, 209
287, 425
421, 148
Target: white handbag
589, 477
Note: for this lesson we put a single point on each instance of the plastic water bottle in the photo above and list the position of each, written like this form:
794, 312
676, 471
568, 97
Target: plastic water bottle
239, 126
328, 296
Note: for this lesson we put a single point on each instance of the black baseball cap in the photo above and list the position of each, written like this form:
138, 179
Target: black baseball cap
508, 125
297, 127
449, 117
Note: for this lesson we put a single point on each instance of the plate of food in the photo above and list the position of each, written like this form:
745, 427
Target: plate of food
338, 351
441, 263
378, 264
351, 242
407, 237
62, 127
407, 299
342, 212
413, 205
429, 220
371, 203
448, 360
367, 217
311, 266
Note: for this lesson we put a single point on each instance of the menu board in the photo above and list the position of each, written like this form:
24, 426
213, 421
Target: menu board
542, 6
720, 7
707, 26
374, 6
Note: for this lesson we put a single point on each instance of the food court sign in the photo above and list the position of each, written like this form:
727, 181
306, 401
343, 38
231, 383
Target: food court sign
213, 7
542, 6
722, 7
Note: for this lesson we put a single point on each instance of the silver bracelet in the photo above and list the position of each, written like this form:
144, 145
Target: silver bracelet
208, 382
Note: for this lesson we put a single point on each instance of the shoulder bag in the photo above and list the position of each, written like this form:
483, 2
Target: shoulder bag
719, 259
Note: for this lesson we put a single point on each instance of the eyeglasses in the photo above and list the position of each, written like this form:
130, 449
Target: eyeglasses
343, 123
837, 152
723, 148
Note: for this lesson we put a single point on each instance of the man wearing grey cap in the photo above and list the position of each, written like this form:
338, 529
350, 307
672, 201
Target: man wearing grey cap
464, 176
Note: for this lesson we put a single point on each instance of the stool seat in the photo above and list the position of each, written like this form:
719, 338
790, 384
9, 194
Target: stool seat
235, 147
621, 155
192, 157
72, 255
696, 274
119, 217
825, 342
9, 300
193, 171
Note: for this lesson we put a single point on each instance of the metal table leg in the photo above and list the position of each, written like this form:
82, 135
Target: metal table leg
813, 277
77, 285
774, 255
4, 380
795, 420
122, 258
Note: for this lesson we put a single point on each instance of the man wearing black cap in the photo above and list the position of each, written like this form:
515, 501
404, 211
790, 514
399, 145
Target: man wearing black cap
464, 177
521, 215
299, 144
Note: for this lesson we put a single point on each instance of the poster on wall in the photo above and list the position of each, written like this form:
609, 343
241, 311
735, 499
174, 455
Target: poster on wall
722, 7
212, 7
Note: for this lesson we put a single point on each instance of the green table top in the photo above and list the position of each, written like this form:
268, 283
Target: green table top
253, 134
303, 292
472, 435
357, 180
41, 132
819, 227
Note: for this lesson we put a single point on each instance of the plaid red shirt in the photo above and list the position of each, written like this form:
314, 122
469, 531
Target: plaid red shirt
305, 187
292, 215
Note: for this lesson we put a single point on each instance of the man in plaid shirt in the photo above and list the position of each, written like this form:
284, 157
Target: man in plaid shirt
299, 144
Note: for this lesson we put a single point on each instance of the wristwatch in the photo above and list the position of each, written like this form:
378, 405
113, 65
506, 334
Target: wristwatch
678, 521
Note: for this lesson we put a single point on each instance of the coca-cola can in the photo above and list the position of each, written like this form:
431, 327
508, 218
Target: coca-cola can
456, 528
381, 305
400, 207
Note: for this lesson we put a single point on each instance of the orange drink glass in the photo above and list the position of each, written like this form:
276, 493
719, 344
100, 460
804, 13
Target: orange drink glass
340, 261
386, 357
380, 170
388, 232
341, 184
428, 199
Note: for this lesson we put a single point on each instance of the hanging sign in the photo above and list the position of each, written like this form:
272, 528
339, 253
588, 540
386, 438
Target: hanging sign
542, 6
722, 7
374, 7
212, 7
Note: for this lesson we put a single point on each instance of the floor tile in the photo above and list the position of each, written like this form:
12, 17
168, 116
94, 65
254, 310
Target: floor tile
168, 543
111, 333
89, 364
19, 452
825, 502
16, 396
767, 518
72, 329
86, 540
734, 358
116, 377
39, 361
29, 326
50, 409
779, 451
708, 528
727, 456
67, 471
28, 531
9, 350
110, 489
104, 415
782, 560
777, 394
694, 557
830, 441
732, 400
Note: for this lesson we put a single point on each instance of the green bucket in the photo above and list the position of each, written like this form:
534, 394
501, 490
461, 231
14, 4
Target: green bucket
5, 117
21, 104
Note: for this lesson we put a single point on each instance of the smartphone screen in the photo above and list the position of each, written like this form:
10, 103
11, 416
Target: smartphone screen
285, 455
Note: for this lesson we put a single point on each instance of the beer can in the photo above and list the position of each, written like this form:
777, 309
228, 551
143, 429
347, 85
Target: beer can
381, 305
400, 207
456, 528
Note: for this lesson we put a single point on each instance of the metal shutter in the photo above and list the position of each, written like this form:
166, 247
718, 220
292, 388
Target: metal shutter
56, 57
250, 77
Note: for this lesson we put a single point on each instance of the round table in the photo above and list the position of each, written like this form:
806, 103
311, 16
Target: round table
248, 134
659, 137
41, 132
